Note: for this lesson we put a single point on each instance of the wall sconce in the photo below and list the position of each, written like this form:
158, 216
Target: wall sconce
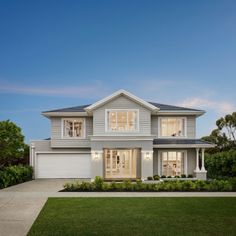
148, 157
96, 157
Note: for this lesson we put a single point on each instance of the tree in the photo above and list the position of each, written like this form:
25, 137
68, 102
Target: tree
225, 135
11, 143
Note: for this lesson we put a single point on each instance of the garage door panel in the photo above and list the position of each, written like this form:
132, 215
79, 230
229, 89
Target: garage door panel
63, 166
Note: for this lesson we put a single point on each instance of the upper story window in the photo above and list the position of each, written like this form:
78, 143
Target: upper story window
173, 127
74, 128
122, 120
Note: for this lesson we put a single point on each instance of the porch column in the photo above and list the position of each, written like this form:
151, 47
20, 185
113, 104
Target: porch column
146, 164
197, 160
96, 164
203, 164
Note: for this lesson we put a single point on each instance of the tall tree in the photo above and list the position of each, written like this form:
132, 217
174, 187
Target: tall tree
11, 143
225, 135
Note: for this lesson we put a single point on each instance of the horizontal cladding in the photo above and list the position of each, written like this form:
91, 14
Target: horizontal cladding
72, 143
121, 103
45, 146
191, 125
56, 134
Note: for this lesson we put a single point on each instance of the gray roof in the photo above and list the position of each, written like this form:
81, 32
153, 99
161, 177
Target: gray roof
163, 107
179, 141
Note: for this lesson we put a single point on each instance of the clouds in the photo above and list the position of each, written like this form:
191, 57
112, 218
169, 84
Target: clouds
92, 90
222, 107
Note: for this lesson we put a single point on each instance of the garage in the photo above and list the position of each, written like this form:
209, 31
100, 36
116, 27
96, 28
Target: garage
63, 165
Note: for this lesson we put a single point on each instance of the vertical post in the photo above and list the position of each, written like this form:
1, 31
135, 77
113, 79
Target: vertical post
197, 160
203, 164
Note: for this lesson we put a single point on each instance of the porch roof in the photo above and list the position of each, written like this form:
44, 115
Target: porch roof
181, 143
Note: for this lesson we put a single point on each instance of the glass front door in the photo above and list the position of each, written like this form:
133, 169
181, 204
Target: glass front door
120, 163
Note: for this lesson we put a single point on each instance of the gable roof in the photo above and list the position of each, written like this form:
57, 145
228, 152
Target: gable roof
117, 94
154, 107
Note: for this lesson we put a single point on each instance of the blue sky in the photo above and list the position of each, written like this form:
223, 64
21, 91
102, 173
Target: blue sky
57, 54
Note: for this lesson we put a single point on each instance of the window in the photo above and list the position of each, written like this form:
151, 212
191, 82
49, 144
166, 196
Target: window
172, 127
122, 120
73, 128
172, 163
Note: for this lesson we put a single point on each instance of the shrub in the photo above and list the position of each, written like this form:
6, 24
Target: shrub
149, 178
233, 183
177, 177
221, 164
190, 176
98, 182
127, 185
156, 177
12, 175
174, 185
183, 176
163, 176
169, 176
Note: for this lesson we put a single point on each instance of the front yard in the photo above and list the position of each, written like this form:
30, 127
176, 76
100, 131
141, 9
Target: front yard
136, 216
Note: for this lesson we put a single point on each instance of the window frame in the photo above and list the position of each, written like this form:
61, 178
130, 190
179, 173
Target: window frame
172, 117
160, 161
107, 130
73, 118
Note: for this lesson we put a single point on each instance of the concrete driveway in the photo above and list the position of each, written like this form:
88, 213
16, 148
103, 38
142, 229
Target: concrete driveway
21, 204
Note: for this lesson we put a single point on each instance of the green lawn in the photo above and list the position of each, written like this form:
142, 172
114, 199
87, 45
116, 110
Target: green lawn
136, 216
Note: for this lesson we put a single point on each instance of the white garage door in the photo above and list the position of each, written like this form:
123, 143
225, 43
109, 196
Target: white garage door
63, 166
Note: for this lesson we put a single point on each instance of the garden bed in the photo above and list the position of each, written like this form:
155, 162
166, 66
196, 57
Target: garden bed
158, 186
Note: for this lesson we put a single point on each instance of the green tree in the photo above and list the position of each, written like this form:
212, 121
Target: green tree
11, 143
225, 135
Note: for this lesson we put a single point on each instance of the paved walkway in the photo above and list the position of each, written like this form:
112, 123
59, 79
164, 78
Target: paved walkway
21, 204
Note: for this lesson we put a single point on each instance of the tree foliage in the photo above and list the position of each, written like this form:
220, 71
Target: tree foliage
221, 164
225, 135
11, 143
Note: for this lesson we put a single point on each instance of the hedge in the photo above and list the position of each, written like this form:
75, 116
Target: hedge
177, 185
12, 175
221, 165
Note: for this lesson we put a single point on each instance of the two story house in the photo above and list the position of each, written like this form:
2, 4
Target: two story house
120, 137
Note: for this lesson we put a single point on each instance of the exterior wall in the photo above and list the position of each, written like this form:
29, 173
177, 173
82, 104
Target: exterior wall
56, 134
191, 160
98, 147
191, 125
121, 102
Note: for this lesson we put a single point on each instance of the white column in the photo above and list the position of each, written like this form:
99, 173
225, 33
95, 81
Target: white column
32, 159
197, 160
203, 164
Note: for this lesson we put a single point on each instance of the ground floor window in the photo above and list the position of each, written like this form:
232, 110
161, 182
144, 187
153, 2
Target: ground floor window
173, 163
120, 163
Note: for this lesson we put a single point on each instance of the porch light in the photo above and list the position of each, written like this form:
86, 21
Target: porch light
148, 157
96, 156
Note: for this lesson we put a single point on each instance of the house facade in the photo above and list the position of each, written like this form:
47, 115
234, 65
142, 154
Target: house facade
120, 137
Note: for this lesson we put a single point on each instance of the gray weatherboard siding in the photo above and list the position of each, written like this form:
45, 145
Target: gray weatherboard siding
121, 103
59, 142
191, 124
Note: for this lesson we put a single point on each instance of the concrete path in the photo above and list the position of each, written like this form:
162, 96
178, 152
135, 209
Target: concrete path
21, 204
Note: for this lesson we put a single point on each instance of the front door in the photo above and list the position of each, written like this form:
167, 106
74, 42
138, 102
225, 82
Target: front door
120, 163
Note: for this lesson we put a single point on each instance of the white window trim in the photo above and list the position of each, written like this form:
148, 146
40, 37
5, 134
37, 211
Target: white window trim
72, 118
172, 117
124, 131
172, 150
